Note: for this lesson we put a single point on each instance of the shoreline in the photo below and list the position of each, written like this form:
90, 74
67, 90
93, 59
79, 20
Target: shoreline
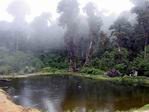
135, 80
126, 80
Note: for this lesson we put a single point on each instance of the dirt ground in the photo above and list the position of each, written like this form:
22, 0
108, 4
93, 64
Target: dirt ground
6, 104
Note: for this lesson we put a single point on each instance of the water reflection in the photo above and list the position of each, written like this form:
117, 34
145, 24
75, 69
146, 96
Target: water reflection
72, 94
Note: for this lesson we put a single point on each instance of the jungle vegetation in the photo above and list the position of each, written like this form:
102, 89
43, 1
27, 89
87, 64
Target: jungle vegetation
75, 42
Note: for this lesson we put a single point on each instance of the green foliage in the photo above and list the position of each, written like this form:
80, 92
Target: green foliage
146, 73
49, 70
6, 69
141, 63
122, 68
55, 60
91, 71
112, 59
96, 62
146, 107
53, 70
19, 62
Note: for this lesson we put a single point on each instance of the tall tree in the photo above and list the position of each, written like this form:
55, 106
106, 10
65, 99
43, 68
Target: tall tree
141, 9
121, 29
94, 22
69, 10
104, 44
19, 10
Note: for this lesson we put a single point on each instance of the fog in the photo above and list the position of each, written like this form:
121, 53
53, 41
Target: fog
47, 32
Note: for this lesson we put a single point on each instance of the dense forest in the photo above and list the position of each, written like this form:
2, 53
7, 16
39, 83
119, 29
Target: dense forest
77, 41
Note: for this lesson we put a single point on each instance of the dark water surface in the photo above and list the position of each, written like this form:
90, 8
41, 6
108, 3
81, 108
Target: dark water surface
73, 94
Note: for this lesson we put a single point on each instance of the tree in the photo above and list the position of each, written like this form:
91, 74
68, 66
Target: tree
104, 44
95, 24
69, 10
19, 10
122, 30
40, 33
141, 9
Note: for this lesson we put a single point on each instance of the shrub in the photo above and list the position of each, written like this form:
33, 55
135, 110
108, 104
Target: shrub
19, 62
49, 70
55, 60
96, 62
141, 64
146, 73
111, 59
122, 68
92, 71
5, 70
113, 73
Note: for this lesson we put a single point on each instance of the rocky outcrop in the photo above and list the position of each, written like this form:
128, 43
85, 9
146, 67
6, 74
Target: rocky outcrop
6, 104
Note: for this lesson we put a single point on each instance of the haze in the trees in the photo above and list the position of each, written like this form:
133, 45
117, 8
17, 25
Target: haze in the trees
141, 9
94, 23
69, 10
78, 35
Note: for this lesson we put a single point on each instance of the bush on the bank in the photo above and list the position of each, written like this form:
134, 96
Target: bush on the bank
141, 64
113, 73
55, 60
122, 68
92, 71
49, 70
113, 59
53, 70
5, 69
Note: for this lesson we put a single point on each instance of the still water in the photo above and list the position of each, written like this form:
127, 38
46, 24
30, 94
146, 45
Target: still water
73, 94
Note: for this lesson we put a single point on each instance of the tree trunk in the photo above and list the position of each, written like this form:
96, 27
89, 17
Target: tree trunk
89, 54
72, 65
72, 54
90, 51
145, 44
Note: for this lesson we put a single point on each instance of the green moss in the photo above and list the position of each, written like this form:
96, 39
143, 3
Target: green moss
142, 109
146, 107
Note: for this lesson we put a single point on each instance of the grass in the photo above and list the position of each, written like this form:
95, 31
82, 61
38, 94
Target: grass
127, 80
146, 107
142, 109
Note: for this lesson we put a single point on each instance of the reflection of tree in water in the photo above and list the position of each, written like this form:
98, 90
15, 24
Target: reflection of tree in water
101, 96
46, 94
60, 94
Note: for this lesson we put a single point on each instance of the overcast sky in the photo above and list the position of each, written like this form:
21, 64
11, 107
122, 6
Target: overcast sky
39, 6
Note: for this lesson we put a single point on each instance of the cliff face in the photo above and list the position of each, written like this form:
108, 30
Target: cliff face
6, 104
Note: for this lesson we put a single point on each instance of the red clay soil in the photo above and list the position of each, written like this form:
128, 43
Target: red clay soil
6, 104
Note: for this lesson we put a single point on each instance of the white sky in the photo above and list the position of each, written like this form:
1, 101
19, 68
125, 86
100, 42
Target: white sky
39, 6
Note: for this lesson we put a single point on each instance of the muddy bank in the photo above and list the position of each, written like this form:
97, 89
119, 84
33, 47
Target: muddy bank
6, 104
